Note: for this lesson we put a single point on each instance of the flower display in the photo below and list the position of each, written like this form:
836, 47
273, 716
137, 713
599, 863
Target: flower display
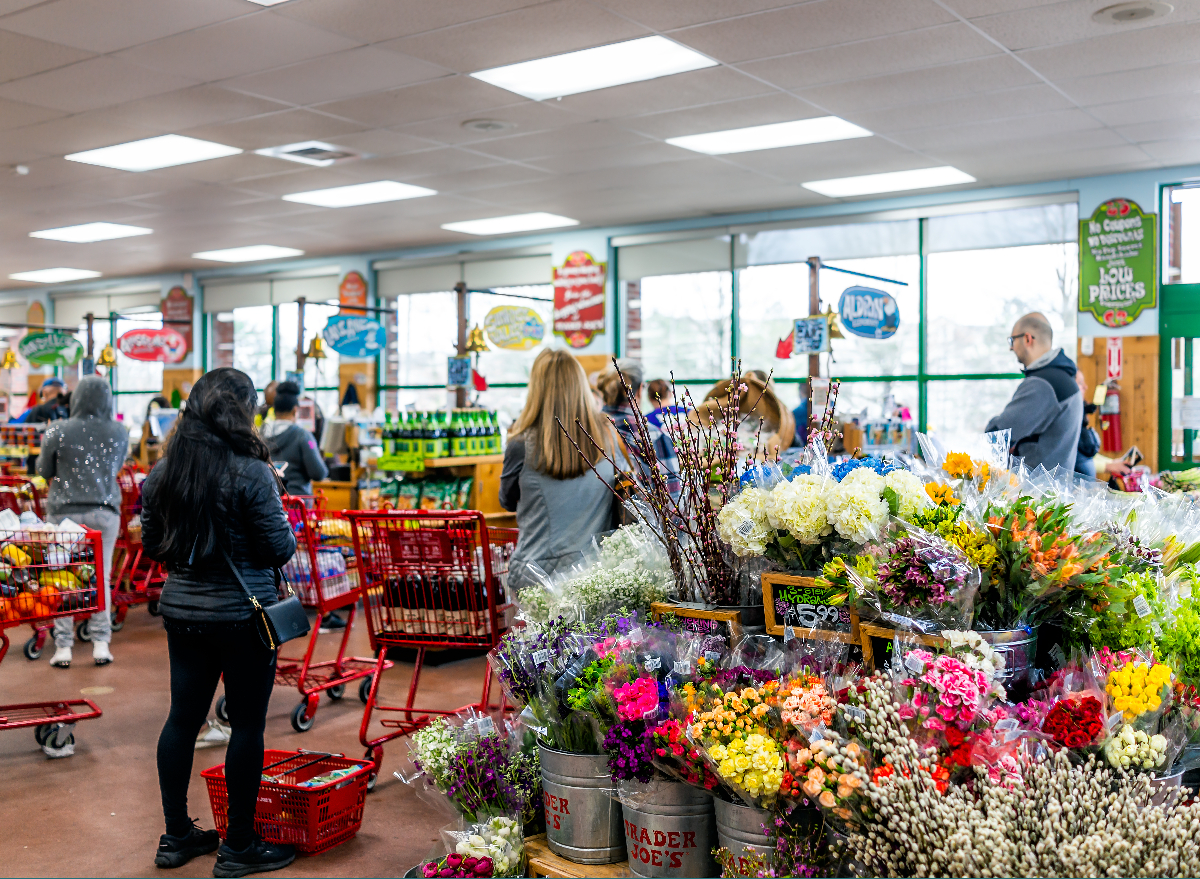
674, 754
1135, 749
907, 493
432, 748
731, 729
921, 571
744, 523
1138, 688
941, 494
799, 508
830, 774
945, 691
499, 841
475, 782
856, 507
805, 703
638, 700
1075, 723
630, 751
751, 764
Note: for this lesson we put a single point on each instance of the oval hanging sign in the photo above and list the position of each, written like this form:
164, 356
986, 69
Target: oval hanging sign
870, 313
51, 349
153, 345
354, 336
514, 327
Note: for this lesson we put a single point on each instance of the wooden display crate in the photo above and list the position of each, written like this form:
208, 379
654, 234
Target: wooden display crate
543, 862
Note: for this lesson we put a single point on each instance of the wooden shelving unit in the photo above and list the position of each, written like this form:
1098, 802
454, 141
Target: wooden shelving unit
543, 862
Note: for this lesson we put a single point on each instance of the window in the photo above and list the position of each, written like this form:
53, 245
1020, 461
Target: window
321, 373
685, 325
243, 338
508, 367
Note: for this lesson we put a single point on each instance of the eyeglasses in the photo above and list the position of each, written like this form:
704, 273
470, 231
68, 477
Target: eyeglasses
1018, 336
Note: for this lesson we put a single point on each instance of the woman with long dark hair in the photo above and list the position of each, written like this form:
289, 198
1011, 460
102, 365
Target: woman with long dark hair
212, 505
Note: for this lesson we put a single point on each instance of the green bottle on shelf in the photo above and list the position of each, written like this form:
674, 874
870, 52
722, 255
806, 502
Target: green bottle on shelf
472, 434
493, 434
385, 435
400, 435
427, 444
441, 448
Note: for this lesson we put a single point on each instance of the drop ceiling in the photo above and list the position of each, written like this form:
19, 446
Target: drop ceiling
1007, 90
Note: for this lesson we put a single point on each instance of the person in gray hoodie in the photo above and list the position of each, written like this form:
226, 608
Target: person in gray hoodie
1046, 411
294, 452
80, 459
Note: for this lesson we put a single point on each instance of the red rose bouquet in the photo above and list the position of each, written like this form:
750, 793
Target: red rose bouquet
1075, 723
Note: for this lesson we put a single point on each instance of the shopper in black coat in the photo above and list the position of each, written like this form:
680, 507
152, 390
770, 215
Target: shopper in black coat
211, 504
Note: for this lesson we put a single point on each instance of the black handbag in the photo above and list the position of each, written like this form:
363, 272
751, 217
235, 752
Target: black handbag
277, 623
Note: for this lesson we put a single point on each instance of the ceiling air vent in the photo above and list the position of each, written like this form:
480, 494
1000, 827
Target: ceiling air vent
1138, 10
311, 152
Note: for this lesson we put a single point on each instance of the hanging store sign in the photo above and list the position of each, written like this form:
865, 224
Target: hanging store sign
50, 349
514, 327
153, 345
352, 291
810, 335
354, 336
1118, 263
870, 313
579, 298
179, 309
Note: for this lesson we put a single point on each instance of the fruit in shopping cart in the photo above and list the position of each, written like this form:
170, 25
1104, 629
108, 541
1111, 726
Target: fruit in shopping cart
335, 528
59, 580
25, 603
5, 572
86, 574
23, 577
15, 555
49, 596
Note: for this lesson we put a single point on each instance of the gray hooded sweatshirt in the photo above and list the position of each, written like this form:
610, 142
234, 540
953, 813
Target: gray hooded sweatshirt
295, 455
1045, 414
82, 455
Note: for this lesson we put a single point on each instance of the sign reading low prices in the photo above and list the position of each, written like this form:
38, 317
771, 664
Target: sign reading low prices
153, 345
1118, 262
579, 298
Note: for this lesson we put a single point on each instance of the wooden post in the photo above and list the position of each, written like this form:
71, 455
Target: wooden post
814, 308
460, 394
91, 348
300, 335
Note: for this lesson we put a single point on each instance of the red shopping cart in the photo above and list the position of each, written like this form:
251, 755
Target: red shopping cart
429, 579
46, 574
325, 579
21, 493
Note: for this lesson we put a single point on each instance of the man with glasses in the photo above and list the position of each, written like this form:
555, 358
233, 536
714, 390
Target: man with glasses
1046, 412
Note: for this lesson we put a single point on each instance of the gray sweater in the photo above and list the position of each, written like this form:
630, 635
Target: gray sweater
1045, 414
82, 455
295, 455
556, 518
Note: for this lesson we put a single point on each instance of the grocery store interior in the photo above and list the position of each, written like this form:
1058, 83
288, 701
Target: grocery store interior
398, 206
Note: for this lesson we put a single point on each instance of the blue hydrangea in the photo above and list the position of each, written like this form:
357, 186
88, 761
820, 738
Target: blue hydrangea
879, 465
799, 469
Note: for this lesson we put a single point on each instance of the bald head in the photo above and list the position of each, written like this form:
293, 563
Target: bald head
1032, 336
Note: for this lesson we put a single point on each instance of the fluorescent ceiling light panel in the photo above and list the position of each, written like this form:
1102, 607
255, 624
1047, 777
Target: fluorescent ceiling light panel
770, 137
89, 232
152, 153
514, 223
54, 276
360, 193
598, 68
251, 253
892, 181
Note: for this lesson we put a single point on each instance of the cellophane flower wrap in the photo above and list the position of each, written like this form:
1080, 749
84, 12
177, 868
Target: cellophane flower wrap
732, 728
1077, 716
499, 841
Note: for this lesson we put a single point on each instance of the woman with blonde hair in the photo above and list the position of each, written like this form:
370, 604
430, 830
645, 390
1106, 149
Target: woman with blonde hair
559, 502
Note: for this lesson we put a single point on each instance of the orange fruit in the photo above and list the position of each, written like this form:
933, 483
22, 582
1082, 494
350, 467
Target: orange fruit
24, 603
49, 596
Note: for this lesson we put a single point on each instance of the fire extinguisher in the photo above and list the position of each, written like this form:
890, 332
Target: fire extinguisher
1110, 420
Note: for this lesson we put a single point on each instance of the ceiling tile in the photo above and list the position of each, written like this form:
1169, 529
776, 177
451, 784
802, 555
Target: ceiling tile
981, 135
259, 41
761, 110
976, 8
1148, 109
67, 134
535, 32
891, 54
187, 108
664, 15
234, 170
14, 114
382, 142
921, 86
1060, 165
590, 135
810, 26
1175, 152
608, 158
525, 117
695, 88
92, 84
1121, 50
820, 161
372, 21
1067, 22
275, 129
25, 56
340, 75
483, 178
427, 100
1007, 104
1162, 130
1148, 82
109, 25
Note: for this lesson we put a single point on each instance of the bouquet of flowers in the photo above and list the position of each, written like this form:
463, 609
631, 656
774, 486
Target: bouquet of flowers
456, 865
923, 582
830, 773
1075, 723
732, 729
1138, 688
498, 843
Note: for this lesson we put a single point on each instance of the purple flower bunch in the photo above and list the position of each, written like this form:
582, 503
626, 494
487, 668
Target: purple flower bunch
476, 782
921, 573
514, 659
630, 747
725, 677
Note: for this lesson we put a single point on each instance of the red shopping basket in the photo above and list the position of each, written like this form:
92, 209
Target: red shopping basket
313, 819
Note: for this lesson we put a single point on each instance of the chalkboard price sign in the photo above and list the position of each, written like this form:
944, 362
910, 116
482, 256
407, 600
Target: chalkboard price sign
701, 620
812, 611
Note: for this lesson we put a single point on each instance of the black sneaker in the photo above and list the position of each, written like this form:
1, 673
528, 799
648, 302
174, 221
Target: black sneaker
258, 857
332, 621
175, 851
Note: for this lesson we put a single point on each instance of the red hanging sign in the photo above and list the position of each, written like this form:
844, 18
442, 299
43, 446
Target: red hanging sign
179, 307
153, 345
352, 291
579, 298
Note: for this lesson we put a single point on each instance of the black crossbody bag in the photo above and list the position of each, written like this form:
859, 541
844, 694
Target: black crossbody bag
277, 623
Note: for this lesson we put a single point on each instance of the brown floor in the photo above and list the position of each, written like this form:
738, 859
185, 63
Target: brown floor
98, 813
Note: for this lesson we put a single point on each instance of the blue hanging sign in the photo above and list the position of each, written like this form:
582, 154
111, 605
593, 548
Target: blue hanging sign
354, 336
870, 313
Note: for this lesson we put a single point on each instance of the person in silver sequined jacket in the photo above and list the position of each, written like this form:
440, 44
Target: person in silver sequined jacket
80, 459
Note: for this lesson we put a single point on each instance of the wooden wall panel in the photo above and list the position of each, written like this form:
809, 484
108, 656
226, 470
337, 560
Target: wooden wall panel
1139, 390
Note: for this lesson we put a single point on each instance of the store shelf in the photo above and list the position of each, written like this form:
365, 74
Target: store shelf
467, 461
543, 862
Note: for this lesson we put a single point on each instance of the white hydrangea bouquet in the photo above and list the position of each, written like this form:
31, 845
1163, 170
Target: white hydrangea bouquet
798, 520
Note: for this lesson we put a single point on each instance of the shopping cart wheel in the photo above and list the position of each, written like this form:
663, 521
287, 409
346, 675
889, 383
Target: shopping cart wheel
118, 621
43, 733
336, 692
83, 632
376, 756
302, 721
221, 711
364, 690
33, 650
153, 609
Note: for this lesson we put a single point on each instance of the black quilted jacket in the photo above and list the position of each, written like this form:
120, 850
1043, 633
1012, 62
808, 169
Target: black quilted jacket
257, 535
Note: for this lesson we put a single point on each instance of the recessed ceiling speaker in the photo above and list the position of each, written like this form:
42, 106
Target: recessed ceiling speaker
1137, 10
488, 125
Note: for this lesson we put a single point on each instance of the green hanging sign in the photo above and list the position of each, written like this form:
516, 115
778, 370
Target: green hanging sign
50, 349
1118, 263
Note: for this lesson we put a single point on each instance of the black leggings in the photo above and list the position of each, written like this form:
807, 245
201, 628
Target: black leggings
200, 655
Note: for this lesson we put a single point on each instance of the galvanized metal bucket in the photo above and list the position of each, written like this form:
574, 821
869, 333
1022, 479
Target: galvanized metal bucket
1163, 786
670, 830
1019, 649
583, 822
741, 827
